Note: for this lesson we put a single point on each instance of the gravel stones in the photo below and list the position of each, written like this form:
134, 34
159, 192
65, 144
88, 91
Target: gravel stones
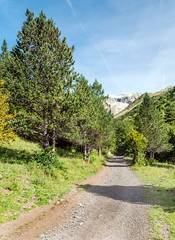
113, 209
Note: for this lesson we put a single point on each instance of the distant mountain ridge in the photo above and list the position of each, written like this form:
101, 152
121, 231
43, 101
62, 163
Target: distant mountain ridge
121, 102
117, 103
125, 98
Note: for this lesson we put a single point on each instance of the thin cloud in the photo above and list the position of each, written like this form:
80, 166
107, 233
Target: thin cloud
71, 7
108, 67
96, 47
75, 15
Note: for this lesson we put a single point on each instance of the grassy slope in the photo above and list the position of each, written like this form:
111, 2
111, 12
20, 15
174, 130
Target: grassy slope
132, 108
159, 184
24, 184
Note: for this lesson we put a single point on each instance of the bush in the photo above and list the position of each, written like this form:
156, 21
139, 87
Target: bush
141, 159
46, 158
150, 161
136, 143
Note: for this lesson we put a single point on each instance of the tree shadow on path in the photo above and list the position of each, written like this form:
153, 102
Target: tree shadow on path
142, 194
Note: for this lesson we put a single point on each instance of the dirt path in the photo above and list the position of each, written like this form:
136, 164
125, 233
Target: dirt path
112, 208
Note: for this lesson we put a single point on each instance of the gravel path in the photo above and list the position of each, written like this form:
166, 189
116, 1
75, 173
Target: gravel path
113, 209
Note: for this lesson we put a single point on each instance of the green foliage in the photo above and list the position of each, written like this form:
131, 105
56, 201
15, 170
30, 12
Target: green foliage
91, 125
137, 144
170, 113
4, 49
150, 122
3, 58
38, 179
122, 129
156, 122
46, 158
39, 75
159, 189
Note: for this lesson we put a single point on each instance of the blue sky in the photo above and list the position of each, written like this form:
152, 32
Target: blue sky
127, 45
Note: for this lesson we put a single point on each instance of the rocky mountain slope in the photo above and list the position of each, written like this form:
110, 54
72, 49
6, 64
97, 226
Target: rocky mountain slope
134, 104
120, 102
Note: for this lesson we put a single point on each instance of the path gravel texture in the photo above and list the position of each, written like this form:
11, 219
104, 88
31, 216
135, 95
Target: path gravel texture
111, 209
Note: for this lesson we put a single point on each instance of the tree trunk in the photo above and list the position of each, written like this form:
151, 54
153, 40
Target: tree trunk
89, 154
46, 132
99, 151
151, 155
85, 152
135, 156
53, 139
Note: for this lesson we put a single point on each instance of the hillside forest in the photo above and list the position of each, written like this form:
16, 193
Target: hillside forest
52, 103
45, 102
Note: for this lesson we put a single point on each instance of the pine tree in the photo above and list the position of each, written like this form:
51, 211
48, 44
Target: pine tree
4, 50
150, 122
90, 124
170, 114
81, 119
3, 58
39, 77
104, 119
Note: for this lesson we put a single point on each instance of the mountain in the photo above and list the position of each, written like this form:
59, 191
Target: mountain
120, 102
158, 97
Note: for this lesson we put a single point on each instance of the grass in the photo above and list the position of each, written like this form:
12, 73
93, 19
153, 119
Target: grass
159, 185
26, 183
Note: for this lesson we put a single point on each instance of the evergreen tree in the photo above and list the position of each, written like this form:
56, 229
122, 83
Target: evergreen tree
98, 91
122, 129
3, 57
150, 122
4, 50
39, 77
170, 114
104, 119
81, 119
91, 124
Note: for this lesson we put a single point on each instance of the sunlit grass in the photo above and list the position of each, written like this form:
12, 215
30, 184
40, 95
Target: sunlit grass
159, 181
24, 183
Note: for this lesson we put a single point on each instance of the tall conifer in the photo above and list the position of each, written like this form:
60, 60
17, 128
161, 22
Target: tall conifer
150, 122
39, 77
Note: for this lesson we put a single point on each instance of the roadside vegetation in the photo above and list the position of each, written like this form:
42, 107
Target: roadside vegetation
147, 135
53, 123
159, 186
29, 178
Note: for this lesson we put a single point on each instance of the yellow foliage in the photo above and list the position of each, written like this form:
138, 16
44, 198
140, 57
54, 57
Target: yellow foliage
137, 141
6, 132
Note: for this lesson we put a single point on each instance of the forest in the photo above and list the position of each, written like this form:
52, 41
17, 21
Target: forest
147, 132
46, 101
52, 103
